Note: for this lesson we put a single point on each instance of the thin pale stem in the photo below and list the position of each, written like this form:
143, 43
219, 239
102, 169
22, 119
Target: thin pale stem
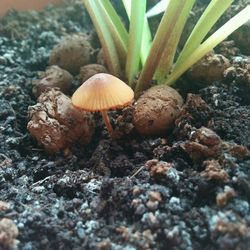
107, 122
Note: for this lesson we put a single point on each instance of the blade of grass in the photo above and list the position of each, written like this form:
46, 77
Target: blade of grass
146, 35
146, 41
109, 50
135, 37
222, 33
163, 34
117, 29
210, 16
169, 51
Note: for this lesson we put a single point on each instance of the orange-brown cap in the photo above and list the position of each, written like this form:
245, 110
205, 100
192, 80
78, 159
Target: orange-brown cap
102, 92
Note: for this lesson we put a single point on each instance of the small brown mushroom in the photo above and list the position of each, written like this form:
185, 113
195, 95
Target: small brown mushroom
102, 92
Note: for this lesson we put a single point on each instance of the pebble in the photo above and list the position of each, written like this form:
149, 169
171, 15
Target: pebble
141, 209
174, 204
38, 189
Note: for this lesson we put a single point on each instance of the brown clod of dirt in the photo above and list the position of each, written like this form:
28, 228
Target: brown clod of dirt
234, 229
156, 110
4, 206
213, 171
91, 69
154, 196
158, 168
8, 233
53, 77
56, 124
203, 144
239, 151
210, 68
239, 72
194, 113
223, 198
72, 53
228, 48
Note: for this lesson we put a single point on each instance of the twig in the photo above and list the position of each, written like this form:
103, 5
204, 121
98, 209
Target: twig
137, 171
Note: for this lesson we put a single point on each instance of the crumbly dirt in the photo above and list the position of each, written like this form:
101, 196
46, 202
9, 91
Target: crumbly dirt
189, 189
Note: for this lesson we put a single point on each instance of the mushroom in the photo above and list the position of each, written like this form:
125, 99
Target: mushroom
102, 92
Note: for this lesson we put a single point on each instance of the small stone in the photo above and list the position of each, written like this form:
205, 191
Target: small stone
81, 233
152, 205
223, 198
38, 189
151, 219
174, 204
141, 209
136, 202
136, 191
154, 196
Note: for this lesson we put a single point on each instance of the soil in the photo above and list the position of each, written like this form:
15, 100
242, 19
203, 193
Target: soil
189, 189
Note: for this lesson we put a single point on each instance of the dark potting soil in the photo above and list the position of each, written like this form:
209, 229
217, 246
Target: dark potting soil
187, 190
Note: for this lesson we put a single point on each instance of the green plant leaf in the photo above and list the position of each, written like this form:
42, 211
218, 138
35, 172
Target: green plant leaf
209, 17
163, 34
222, 33
110, 54
167, 57
135, 38
146, 35
117, 29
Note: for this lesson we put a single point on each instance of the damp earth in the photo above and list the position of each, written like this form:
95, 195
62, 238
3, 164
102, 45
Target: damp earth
187, 188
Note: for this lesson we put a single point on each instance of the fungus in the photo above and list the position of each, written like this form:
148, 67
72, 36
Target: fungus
102, 92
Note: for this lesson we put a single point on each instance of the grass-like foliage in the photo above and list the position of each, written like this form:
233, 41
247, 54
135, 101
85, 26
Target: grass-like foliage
128, 53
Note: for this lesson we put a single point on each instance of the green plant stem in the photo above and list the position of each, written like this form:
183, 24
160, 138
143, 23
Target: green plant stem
210, 16
163, 34
117, 29
167, 58
110, 54
146, 35
135, 37
216, 38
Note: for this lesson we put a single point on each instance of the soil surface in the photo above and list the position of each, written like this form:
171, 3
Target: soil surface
189, 189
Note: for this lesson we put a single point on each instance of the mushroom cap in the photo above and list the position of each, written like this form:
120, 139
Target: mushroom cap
102, 92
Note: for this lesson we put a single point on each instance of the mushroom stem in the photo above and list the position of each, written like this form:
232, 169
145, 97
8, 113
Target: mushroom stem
107, 122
